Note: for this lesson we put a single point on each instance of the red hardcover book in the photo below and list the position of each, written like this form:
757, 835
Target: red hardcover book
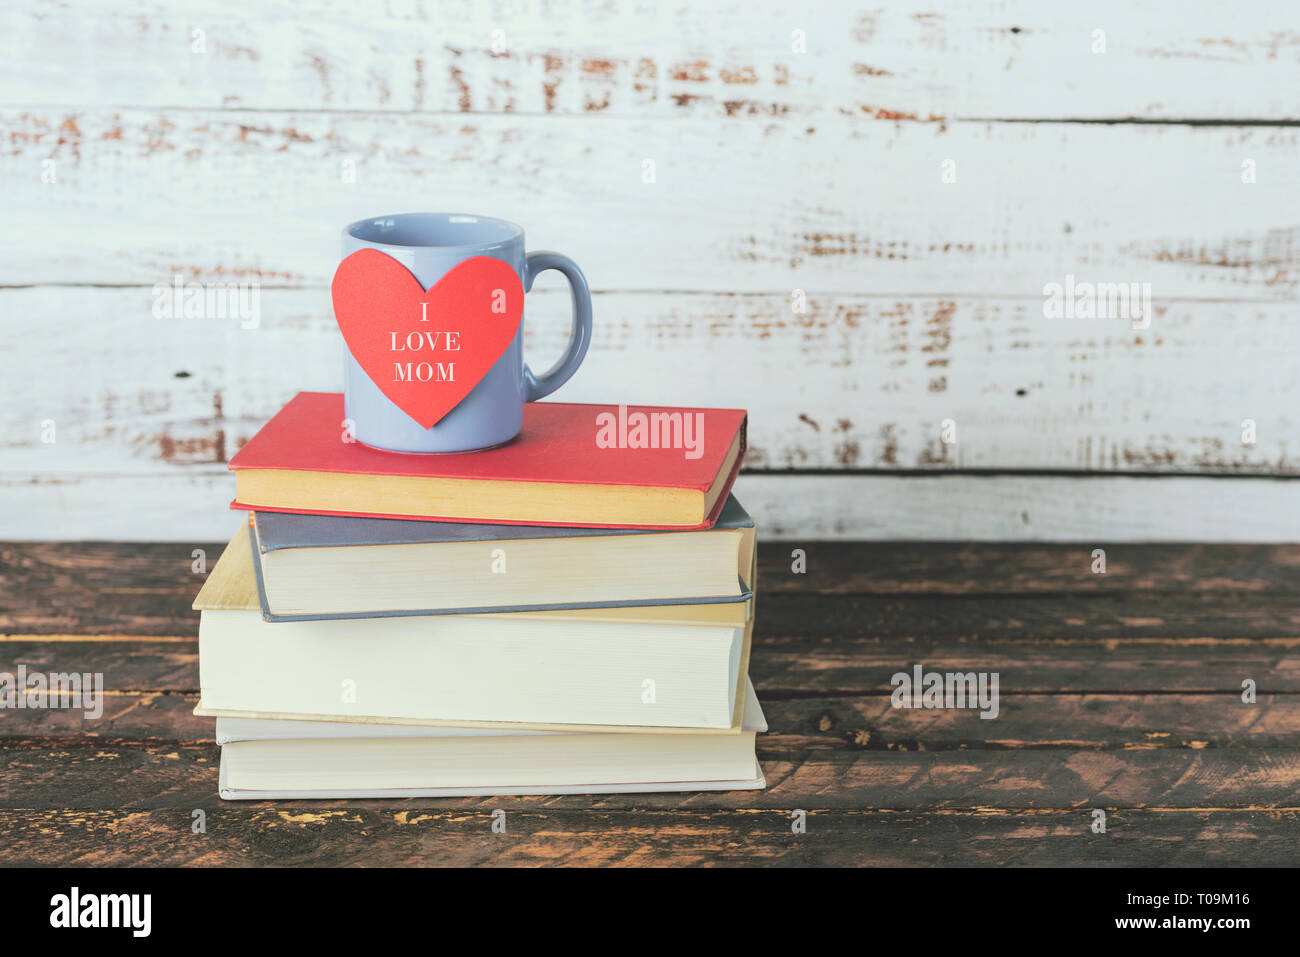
571, 465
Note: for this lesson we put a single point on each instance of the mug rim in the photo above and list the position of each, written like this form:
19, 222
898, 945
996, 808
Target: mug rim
516, 232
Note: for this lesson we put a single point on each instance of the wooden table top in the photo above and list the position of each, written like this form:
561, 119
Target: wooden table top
1120, 692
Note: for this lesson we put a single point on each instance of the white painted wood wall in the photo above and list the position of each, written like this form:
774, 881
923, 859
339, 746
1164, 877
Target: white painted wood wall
775, 170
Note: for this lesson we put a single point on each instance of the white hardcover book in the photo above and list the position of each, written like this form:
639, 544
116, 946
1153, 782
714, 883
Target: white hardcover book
324, 760
654, 667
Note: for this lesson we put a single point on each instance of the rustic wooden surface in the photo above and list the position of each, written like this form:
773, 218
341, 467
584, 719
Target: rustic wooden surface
1119, 692
794, 151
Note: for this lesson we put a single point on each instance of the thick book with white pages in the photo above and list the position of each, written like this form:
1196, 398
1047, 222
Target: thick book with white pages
647, 668
328, 566
303, 759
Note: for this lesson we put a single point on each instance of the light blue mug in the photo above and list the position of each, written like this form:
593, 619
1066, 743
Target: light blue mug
429, 245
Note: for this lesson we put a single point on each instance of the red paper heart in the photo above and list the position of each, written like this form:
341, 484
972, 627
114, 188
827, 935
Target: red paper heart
426, 360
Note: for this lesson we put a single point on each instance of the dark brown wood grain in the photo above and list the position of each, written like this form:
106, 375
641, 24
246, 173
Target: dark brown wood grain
824, 722
1131, 615
1003, 569
391, 833
101, 588
800, 666
48, 775
850, 589
1120, 692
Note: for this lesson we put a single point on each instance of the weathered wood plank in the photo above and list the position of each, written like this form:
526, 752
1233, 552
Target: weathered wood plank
904, 62
1093, 617
827, 206
1151, 729
189, 506
163, 575
128, 716
1028, 663
834, 567
876, 379
1244, 592
826, 722
104, 587
141, 775
820, 666
821, 618
289, 835
998, 568
1103, 722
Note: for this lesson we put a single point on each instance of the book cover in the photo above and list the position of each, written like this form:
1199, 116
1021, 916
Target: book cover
308, 759
230, 792
506, 670
571, 465
275, 531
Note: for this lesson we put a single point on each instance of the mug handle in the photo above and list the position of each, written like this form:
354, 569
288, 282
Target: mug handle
535, 387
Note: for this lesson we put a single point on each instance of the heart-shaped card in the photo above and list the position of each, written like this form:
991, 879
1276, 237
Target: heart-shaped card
426, 349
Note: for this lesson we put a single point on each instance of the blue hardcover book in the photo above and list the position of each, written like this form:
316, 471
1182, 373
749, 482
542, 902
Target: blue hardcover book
323, 566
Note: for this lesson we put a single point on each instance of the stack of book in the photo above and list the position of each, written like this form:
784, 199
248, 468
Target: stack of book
568, 613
